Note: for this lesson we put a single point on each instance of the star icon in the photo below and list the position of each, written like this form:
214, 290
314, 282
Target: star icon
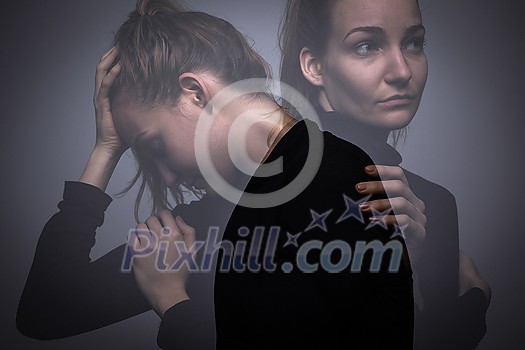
318, 220
378, 218
292, 239
399, 231
352, 209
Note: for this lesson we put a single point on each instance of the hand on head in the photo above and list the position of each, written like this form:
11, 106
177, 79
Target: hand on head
108, 146
106, 73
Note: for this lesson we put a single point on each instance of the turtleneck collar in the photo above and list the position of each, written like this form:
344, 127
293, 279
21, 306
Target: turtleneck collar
379, 150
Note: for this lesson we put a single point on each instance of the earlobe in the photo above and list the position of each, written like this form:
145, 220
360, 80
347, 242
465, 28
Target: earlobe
199, 100
311, 67
195, 88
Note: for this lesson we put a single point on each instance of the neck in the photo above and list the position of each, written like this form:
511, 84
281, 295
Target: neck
378, 134
257, 125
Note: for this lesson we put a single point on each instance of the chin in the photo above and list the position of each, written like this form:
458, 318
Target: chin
395, 121
397, 125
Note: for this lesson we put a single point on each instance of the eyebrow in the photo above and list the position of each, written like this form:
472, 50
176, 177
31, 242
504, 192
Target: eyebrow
379, 30
373, 30
415, 28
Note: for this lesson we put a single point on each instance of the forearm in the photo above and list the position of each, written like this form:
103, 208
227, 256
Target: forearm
100, 168
66, 293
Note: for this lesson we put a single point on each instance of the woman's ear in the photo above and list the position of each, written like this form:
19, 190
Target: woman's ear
195, 89
311, 67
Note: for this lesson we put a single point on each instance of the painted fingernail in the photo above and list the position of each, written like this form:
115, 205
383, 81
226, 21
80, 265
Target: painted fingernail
364, 207
361, 187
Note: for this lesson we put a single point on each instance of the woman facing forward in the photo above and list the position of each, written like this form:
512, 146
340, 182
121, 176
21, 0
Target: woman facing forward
362, 64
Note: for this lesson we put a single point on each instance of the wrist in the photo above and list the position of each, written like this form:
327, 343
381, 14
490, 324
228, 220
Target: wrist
168, 301
100, 166
109, 154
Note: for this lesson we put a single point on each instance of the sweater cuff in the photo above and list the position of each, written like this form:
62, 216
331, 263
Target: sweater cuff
187, 326
86, 194
84, 201
171, 324
474, 302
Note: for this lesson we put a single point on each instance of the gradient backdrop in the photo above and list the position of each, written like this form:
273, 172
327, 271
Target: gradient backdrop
467, 136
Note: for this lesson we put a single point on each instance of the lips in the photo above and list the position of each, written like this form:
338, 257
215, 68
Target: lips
396, 97
396, 100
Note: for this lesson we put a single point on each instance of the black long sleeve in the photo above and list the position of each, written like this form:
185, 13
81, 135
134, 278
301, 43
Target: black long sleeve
66, 293
438, 266
459, 325
196, 332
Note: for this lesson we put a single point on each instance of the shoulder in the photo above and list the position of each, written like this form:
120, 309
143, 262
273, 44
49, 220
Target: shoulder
318, 168
434, 195
419, 183
340, 169
345, 152
306, 137
326, 158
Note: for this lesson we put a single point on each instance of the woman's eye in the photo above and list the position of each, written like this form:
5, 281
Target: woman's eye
415, 45
366, 47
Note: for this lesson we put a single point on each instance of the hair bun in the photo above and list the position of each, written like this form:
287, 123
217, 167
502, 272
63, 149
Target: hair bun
152, 7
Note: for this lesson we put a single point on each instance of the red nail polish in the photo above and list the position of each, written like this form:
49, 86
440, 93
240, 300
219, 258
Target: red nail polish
361, 187
364, 207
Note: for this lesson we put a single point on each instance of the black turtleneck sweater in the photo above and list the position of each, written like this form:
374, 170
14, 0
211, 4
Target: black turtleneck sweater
311, 305
443, 320
67, 293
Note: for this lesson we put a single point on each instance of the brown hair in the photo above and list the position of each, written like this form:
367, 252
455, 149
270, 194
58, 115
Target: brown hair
305, 23
160, 41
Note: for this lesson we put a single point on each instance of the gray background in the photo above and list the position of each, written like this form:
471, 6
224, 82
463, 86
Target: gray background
467, 136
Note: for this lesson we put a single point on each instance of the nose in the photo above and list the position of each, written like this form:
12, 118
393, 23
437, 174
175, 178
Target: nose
398, 70
168, 176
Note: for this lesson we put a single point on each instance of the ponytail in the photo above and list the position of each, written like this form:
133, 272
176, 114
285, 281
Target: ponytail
152, 7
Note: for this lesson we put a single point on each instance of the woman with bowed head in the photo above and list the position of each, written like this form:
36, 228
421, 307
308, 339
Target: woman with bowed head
362, 64
297, 265
161, 55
